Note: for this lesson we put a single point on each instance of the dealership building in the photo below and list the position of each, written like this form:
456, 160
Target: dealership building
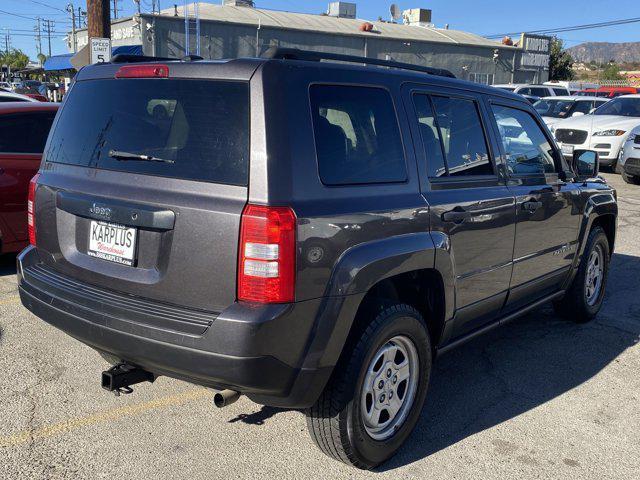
238, 29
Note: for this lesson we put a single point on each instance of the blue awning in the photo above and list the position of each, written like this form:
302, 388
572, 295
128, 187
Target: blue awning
63, 62
127, 50
58, 62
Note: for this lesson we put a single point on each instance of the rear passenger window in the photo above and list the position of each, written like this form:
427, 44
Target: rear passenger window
462, 136
357, 135
25, 132
526, 147
539, 92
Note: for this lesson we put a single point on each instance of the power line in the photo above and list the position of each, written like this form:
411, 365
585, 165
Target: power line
48, 6
574, 28
17, 15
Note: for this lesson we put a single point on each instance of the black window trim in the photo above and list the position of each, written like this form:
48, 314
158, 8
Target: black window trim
451, 182
550, 178
407, 178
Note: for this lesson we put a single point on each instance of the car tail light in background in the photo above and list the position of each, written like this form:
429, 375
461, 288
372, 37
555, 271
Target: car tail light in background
266, 260
143, 71
31, 203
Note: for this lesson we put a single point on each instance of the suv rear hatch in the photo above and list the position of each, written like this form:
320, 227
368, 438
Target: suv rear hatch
142, 188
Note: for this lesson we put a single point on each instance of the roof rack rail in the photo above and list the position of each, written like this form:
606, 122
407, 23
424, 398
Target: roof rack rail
280, 53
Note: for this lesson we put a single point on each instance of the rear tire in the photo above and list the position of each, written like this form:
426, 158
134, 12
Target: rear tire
347, 422
631, 179
584, 298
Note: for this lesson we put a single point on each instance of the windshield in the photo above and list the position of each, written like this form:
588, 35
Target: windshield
508, 89
621, 106
199, 127
553, 108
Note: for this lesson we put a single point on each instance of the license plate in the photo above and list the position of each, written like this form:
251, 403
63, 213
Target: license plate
112, 242
567, 149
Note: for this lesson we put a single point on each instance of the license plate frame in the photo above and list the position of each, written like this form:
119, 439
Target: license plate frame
113, 242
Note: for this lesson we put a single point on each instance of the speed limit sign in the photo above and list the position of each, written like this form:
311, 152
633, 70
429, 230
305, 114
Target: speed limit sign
100, 50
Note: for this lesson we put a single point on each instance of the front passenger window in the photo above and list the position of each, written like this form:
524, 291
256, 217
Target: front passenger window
526, 147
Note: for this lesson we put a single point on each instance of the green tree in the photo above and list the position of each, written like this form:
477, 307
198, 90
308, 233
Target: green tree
560, 62
16, 59
42, 58
611, 72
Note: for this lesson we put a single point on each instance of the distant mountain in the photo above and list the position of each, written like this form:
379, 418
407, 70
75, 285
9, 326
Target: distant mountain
603, 52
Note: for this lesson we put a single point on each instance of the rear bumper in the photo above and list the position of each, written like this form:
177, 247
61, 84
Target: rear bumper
257, 350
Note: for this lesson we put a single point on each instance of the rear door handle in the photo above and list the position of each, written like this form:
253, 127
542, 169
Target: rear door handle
455, 216
531, 206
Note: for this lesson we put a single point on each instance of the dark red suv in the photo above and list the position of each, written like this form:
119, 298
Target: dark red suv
24, 127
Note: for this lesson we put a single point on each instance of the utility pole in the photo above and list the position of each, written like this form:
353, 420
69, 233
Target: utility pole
48, 25
98, 19
7, 41
38, 31
137, 2
115, 9
80, 15
74, 42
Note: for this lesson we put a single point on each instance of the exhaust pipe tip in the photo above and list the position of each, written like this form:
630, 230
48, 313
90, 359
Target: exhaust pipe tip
225, 398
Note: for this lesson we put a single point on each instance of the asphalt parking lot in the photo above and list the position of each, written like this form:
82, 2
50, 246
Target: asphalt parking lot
539, 398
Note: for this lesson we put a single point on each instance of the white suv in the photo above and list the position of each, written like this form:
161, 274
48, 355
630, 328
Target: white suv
554, 110
533, 90
605, 131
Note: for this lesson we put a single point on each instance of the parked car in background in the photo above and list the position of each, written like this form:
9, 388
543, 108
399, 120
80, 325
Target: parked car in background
15, 97
629, 161
607, 92
605, 131
572, 86
555, 109
37, 96
24, 128
310, 234
531, 98
533, 90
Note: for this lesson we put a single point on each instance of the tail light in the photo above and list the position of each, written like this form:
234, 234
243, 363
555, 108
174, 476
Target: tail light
31, 202
143, 71
266, 265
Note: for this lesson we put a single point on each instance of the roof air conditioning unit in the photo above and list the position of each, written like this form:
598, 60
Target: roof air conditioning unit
417, 16
238, 3
342, 10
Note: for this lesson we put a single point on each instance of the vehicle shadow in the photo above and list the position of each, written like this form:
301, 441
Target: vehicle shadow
7, 264
259, 417
523, 365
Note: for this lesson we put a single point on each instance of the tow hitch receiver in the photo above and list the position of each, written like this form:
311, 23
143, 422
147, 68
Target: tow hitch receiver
119, 378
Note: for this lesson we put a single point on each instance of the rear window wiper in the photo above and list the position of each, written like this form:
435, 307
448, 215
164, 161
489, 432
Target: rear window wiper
118, 155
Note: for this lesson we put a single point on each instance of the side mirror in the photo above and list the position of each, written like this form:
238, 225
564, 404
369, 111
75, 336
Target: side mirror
577, 114
585, 164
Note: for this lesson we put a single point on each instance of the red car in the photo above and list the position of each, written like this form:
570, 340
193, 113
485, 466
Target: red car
37, 96
24, 127
607, 92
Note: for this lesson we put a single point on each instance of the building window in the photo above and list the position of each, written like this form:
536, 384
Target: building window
484, 78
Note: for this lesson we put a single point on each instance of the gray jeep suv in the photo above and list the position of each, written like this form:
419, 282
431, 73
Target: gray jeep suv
310, 234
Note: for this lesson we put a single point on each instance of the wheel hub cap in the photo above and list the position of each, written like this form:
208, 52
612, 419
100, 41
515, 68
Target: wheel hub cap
389, 387
594, 276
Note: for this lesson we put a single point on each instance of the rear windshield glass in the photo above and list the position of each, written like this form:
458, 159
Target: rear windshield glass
192, 129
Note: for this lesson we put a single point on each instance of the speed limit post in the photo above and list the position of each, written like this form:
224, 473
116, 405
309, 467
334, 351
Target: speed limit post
100, 50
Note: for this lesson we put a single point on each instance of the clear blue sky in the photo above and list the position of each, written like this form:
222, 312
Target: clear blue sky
482, 17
